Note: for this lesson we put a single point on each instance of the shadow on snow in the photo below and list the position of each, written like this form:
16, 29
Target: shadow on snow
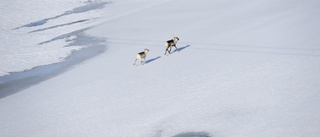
153, 59
156, 58
179, 49
182, 48
193, 134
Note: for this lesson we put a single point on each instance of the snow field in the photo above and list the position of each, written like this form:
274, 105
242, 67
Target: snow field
244, 69
25, 32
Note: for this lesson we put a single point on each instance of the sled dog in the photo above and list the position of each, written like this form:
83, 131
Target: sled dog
171, 43
142, 57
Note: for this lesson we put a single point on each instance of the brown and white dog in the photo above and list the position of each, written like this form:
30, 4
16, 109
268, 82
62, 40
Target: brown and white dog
171, 43
142, 57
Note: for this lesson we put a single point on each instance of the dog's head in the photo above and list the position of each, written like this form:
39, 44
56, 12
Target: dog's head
146, 50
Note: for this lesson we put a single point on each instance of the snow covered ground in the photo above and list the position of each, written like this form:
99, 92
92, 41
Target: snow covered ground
32, 35
244, 68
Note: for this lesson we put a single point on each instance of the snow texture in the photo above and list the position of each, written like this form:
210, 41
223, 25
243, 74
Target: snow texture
244, 68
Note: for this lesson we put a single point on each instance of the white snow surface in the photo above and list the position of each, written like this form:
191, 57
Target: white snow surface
244, 68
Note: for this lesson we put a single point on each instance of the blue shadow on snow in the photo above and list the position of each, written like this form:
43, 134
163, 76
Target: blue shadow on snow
182, 48
193, 134
153, 59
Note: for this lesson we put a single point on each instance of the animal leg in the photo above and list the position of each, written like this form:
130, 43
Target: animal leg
176, 48
135, 62
166, 51
170, 49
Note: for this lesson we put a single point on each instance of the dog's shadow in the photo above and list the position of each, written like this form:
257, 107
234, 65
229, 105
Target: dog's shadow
182, 48
153, 59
